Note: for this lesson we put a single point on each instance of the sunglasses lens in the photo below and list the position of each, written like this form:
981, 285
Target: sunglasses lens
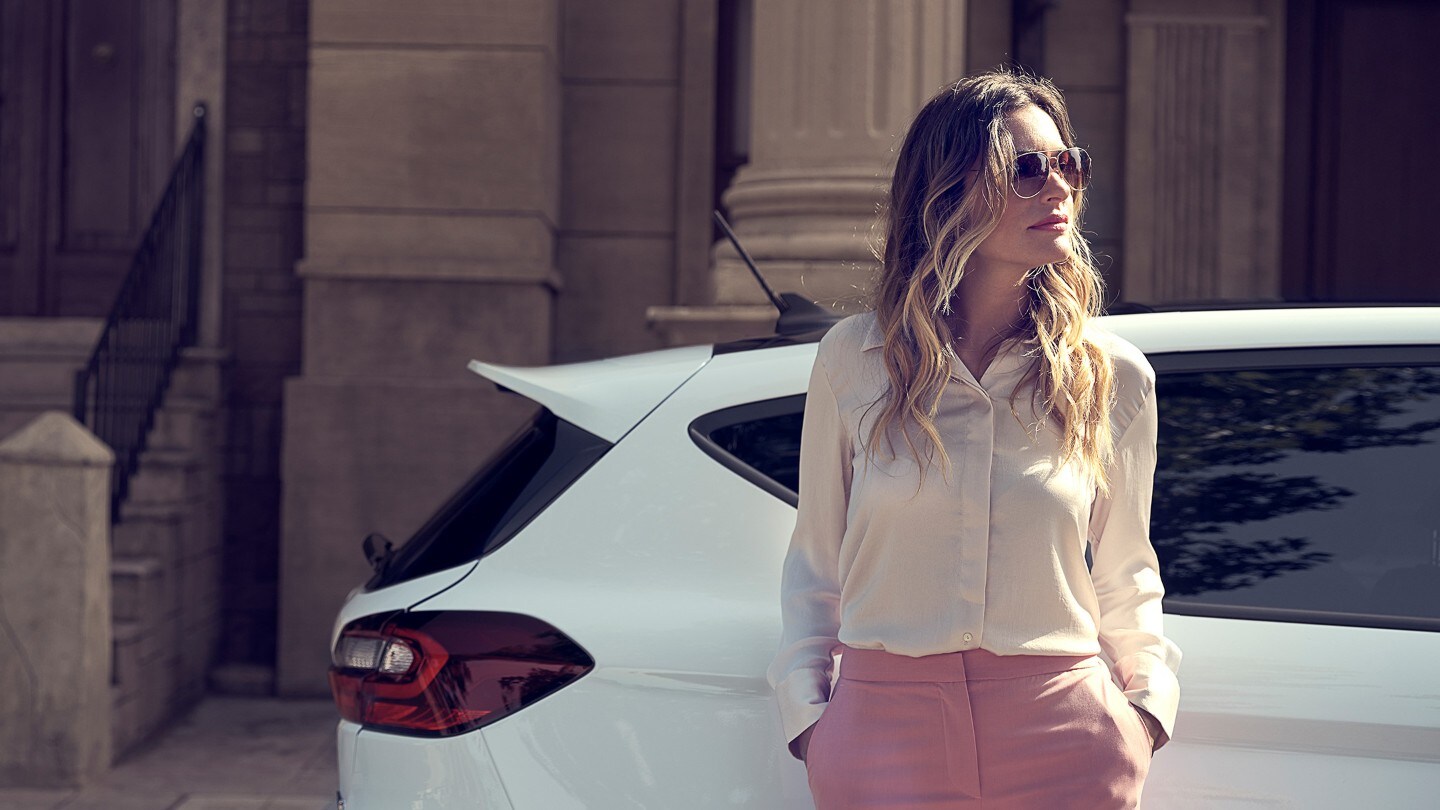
1075, 167
1031, 172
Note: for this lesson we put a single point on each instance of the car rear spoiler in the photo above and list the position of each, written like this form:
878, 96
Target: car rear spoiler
605, 397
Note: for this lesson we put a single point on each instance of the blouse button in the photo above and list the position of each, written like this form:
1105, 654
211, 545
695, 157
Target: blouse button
968, 636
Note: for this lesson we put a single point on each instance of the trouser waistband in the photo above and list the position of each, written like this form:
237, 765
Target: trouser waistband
964, 665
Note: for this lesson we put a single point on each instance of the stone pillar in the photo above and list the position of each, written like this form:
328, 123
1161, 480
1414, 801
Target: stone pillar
835, 83
431, 205
1203, 159
55, 630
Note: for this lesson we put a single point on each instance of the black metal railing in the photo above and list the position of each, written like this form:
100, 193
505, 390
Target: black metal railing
154, 316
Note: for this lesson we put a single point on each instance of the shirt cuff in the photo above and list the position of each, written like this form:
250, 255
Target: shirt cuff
802, 697
1152, 685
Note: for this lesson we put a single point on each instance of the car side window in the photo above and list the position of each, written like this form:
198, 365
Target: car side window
1303, 494
759, 441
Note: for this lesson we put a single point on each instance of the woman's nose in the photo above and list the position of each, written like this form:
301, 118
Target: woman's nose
1055, 186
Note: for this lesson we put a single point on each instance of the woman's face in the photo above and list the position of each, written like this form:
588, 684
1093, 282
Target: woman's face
1034, 231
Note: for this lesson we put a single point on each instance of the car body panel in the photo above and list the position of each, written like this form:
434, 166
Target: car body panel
400, 596
680, 609
1224, 777
1221, 330
346, 733
390, 771
1272, 687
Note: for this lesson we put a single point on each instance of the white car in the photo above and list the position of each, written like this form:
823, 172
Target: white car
587, 623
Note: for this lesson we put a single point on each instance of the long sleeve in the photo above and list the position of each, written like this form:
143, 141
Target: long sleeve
810, 585
1126, 574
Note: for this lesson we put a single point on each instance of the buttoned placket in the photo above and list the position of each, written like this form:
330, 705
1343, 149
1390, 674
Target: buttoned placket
975, 487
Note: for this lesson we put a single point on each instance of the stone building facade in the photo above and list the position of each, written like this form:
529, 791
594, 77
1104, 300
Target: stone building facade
397, 188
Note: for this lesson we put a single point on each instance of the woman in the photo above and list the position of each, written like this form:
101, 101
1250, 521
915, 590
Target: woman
963, 444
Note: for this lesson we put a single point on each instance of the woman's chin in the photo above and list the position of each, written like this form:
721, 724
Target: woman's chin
1057, 254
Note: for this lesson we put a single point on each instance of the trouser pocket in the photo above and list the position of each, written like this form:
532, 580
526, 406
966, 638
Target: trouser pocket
893, 744
1127, 720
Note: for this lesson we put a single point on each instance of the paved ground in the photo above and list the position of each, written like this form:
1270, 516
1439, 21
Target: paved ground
230, 753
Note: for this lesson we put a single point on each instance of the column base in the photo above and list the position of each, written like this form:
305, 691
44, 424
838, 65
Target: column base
843, 286
692, 326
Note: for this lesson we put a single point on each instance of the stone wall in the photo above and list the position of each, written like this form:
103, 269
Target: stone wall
620, 161
431, 211
264, 147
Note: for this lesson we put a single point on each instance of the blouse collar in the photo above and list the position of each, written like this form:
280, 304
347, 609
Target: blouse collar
1013, 354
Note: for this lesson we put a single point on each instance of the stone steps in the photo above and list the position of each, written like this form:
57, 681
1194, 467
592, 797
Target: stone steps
165, 565
165, 554
165, 476
137, 590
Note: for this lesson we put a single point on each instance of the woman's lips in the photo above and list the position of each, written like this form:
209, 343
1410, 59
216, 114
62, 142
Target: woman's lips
1056, 224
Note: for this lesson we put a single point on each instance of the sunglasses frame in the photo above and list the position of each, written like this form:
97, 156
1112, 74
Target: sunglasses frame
1053, 165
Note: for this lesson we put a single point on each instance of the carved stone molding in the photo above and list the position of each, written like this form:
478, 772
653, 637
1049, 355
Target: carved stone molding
1203, 168
835, 82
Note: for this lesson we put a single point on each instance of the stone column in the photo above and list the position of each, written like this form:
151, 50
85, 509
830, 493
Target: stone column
55, 630
431, 204
835, 83
1203, 159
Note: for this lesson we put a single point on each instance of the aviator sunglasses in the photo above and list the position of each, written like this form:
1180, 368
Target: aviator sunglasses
1032, 170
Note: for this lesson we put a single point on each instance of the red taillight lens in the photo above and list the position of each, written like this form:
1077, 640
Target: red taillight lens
441, 673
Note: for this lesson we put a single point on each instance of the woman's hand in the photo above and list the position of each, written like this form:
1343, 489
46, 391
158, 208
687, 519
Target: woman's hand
800, 746
1153, 728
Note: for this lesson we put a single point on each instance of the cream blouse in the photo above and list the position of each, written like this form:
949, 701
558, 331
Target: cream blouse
990, 555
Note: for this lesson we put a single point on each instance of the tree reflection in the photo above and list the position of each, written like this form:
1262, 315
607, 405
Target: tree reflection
521, 690
557, 659
1214, 425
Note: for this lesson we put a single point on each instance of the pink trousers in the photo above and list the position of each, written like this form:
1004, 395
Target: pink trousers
974, 729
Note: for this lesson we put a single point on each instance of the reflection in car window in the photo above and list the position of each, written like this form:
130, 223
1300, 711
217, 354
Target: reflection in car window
1307, 489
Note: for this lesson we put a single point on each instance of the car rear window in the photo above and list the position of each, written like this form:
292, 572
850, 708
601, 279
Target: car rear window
1303, 494
528, 472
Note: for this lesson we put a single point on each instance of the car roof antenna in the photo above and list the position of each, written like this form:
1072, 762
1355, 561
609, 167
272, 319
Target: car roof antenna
797, 313
724, 224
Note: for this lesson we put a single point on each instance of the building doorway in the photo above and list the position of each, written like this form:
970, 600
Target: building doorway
1361, 173
87, 121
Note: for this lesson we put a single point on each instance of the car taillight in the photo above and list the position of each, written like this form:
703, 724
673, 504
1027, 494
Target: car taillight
440, 673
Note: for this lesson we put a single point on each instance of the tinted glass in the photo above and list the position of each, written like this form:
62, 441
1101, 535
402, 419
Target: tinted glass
1308, 489
771, 446
510, 489
760, 442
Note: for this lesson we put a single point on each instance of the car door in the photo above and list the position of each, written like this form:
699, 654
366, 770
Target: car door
1297, 521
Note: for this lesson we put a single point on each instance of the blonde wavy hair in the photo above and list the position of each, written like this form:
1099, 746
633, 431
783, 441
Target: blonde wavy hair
952, 179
